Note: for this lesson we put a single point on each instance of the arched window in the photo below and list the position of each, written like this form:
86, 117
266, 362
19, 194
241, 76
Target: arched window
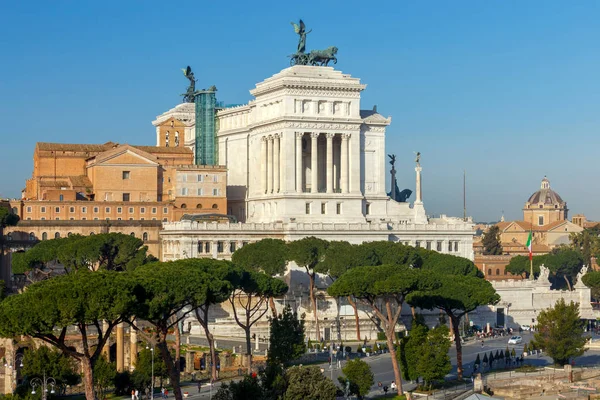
145, 236
215, 206
69, 234
31, 236
176, 139
489, 271
167, 139
91, 233
497, 271
45, 236
132, 234
198, 205
184, 205
57, 235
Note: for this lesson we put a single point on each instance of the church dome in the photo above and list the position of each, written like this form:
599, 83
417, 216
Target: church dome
546, 196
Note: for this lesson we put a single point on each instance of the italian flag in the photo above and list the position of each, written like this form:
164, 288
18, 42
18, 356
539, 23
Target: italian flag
529, 247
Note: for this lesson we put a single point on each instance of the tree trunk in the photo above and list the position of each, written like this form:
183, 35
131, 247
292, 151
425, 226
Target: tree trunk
211, 341
390, 333
313, 301
248, 348
171, 370
568, 283
356, 320
177, 348
88, 378
459, 366
272, 305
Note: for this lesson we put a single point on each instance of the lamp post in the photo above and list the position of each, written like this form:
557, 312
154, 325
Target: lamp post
13, 367
152, 378
43, 383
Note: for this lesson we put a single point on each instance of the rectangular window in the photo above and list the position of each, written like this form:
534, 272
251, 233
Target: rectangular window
231, 247
84, 218
95, 218
207, 247
184, 191
199, 178
219, 247
143, 210
43, 209
107, 209
215, 192
58, 219
200, 192
455, 246
449, 246
125, 174
119, 210
96, 210
131, 209
541, 220
165, 210
72, 209
338, 208
200, 247
418, 243
439, 246
428, 245
307, 208
84, 209
28, 209
126, 196
368, 209
43, 218
57, 209
215, 178
153, 210
323, 208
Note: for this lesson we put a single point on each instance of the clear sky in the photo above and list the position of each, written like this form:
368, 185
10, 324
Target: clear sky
506, 90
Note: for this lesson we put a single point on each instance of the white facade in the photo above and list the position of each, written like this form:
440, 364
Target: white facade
303, 160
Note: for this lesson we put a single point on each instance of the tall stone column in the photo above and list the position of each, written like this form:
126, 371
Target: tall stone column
299, 171
419, 199
344, 163
133, 349
329, 163
276, 157
314, 176
120, 348
106, 348
270, 164
263, 164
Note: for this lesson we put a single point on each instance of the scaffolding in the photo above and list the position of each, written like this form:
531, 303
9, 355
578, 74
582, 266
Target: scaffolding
206, 148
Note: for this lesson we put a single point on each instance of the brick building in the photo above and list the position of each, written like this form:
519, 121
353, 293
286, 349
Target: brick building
94, 188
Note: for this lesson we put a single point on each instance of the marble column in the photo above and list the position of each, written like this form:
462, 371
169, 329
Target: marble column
106, 348
344, 163
314, 176
299, 161
276, 158
263, 164
270, 164
120, 348
418, 186
329, 163
133, 348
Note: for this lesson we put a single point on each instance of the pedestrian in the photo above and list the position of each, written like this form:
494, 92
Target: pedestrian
199, 386
393, 385
132, 394
137, 395
162, 392
166, 394
385, 389
482, 344
380, 385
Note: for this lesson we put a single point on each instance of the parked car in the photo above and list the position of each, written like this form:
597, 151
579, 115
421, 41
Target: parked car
515, 340
526, 327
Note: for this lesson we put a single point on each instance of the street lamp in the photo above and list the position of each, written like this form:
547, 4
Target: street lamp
152, 378
17, 363
44, 383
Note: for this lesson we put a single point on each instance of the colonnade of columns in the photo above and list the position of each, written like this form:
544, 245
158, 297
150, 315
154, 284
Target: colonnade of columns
271, 164
337, 172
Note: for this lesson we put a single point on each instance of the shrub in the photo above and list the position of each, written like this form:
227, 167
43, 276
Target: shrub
348, 349
381, 336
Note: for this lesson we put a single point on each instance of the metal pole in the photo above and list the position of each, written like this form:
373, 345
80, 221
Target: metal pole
152, 383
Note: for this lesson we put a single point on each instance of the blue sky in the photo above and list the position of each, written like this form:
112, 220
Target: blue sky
506, 90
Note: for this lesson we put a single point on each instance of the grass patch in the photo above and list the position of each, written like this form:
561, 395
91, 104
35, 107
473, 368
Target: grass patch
527, 368
390, 396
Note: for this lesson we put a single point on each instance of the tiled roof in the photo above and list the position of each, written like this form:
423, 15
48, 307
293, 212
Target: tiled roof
74, 147
172, 150
80, 180
122, 149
